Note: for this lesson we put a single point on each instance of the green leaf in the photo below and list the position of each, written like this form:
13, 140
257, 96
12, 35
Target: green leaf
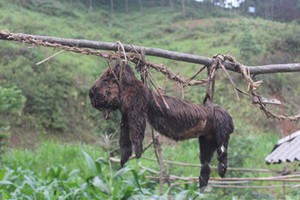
136, 178
74, 172
97, 182
182, 195
2, 174
121, 172
91, 164
99, 163
46, 195
6, 183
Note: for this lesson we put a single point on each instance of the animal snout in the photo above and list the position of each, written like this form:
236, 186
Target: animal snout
93, 92
115, 102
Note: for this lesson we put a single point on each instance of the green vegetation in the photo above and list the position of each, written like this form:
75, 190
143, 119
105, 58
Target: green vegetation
76, 171
50, 101
38, 177
11, 101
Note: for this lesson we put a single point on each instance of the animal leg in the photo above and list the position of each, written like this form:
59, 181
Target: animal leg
207, 148
124, 142
222, 145
137, 125
223, 127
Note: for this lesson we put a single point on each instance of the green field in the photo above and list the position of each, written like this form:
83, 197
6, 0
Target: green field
53, 144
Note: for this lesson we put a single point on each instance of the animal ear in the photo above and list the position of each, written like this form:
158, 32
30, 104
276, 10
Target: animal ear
116, 68
108, 72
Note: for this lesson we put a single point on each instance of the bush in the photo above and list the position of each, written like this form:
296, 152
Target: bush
11, 100
56, 93
47, 93
248, 47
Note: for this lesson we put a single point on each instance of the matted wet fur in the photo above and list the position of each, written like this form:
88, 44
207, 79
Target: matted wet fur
118, 88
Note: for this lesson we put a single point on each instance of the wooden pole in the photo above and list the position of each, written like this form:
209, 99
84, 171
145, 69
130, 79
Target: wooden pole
158, 153
185, 57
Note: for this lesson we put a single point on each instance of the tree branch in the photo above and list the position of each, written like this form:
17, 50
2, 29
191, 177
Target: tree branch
185, 57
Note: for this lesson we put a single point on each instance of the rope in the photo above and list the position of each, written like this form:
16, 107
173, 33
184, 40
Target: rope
251, 91
218, 62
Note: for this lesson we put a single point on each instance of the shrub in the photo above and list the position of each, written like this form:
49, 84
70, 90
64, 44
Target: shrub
11, 100
248, 47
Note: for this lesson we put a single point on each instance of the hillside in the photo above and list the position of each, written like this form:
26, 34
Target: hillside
57, 106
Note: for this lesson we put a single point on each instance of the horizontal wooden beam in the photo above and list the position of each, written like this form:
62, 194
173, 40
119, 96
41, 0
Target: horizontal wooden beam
185, 57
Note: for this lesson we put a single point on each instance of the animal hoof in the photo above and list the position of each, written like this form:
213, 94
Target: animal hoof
222, 168
138, 153
122, 163
202, 182
124, 159
138, 150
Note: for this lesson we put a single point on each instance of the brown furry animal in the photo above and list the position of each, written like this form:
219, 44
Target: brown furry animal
118, 88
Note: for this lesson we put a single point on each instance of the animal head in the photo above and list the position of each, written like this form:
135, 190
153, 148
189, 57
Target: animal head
104, 93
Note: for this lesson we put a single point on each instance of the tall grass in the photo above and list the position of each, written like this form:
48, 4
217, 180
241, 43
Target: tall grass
51, 154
